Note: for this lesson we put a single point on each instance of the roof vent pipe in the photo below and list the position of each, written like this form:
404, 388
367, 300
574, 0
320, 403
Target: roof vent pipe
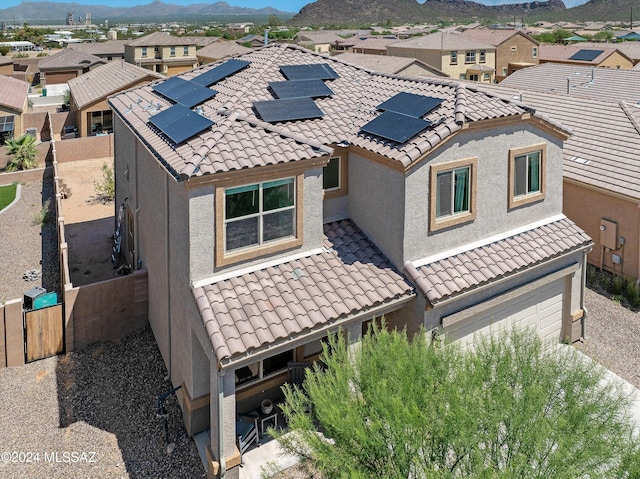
568, 85
593, 73
266, 37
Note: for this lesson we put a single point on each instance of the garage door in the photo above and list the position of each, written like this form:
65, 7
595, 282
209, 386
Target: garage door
56, 78
174, 70
540, 309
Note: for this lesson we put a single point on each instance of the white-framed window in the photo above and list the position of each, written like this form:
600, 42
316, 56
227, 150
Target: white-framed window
144, 52
463, 76
264, 369
486, 76
483, 56
534, 52
331, 175
185, 51
172, 51
453, 195
453, 58
470, 56
504, 71
259, 213
527, 174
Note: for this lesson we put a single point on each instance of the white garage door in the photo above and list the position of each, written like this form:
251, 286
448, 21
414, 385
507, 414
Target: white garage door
540, 309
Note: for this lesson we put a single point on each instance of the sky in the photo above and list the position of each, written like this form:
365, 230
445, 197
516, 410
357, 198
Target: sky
284, 5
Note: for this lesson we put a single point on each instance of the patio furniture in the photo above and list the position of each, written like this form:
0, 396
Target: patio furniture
247, 433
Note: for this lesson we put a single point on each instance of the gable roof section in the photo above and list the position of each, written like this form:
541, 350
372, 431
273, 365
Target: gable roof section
563, 53
240, 139
161, 39
586, 82
272, 305
73, 59
443, 41
13, 93
462, 272
110, 47
220, 50
105, 80
495, 37
386, 63
318, 37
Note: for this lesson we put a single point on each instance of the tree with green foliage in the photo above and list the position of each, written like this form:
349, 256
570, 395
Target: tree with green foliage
23, 152
4, 50
508, 408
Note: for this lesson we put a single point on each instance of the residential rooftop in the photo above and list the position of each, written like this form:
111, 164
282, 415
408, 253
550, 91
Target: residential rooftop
386, 63
563, 53
13, 93
69, 59
443, 41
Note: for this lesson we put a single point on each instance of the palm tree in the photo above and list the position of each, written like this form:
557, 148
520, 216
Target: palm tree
24, 152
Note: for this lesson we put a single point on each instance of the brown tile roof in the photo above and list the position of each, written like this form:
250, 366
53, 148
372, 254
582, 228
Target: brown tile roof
6, 60
372, 43
584, 81
220, 50
386, 63
443, 41
319, 37
110, 47
161, 39
563, 53
73, 59
13, 93
239, 139
272, 305
494, 37
106, 80
444, 278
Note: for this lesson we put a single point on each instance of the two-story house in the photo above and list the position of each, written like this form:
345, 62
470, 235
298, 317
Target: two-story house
514, 48
282, 194
162, 53
459, 57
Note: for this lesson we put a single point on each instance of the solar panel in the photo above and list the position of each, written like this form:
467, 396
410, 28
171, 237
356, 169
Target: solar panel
220, 72
179, 123
299, 89
316, 71
184, 92
287, 109
586, 55
410, 104
6, 123
395, 126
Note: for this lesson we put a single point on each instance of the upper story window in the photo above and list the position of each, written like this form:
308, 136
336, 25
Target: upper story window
185, 51
534, 52
470, 56
334, 177
453, 193
526, 175
258, 218
172, 51
454, 57
483, 56
144, 52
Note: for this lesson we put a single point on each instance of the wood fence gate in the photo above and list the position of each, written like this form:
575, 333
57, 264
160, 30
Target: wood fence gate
44, 333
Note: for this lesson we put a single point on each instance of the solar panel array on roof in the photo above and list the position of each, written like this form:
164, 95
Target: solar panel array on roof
6, 123
299, 89
220, 72
179, 123
315, 71
395, 126
287, 109
410, 104
184, 92
586, 55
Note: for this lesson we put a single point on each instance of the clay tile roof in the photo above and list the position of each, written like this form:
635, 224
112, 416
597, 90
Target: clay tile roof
448, 277
494, 37
13, 93
268, 307
443, 41
386, 63
110, 47
161, 39
563, 53
240, 139
220, 50
107, 79
5, 60
69, 59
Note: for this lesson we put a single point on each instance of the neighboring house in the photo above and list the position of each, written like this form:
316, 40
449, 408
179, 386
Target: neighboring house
601, 162
629, 48
251, 41
13, 105
239, 28
89, 92
319, 41
514, 49
371, 45
219, 50
456, 55
162, 53
394, 65
66, 65
604, 56
266, 223
109, 50
6, 66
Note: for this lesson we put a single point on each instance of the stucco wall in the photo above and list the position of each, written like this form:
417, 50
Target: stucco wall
523, 54
493, 216
586, 207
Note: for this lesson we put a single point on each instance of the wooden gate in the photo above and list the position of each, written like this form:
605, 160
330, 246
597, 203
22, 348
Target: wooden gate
44, 333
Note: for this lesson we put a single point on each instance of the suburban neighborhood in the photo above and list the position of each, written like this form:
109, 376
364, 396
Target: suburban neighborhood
196, 217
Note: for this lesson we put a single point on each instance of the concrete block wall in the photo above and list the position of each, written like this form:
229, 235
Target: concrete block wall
76, 149
43, 156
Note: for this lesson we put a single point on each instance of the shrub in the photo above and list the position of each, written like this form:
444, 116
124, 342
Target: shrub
106, 190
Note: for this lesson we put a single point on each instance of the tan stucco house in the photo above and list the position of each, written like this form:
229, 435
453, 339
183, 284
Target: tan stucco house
273, 212
13, 106
604, 56
162, 53
456, 55
66, 65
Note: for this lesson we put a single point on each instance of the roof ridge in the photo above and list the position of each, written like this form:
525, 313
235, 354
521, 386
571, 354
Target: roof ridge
460, 103
630, 115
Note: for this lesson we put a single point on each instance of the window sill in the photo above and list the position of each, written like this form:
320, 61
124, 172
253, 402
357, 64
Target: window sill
516, 202
327, 195
449, 221
229, 258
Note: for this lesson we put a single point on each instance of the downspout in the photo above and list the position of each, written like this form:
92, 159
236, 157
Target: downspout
223, 466
167, 273
583, 285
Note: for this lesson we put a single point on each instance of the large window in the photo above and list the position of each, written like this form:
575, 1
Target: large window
526, 175
454, 58
101, 122
453, 187
259, 213
470, 56
263, 369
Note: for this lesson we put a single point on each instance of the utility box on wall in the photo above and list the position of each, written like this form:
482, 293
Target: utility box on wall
609, 234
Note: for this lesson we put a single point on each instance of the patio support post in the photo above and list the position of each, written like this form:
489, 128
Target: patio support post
354, 334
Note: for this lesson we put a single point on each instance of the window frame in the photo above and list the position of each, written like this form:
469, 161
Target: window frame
224, 257
261, 375
185, 51
143, 52
172, 51
438, 223
469, 54
521, 200
342, 188
534, 52
453, 57
482, 56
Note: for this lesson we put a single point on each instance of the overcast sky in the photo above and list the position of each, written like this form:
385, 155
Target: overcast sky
284, 5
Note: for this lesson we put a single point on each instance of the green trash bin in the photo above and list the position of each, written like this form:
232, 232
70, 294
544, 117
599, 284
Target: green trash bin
44, 92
